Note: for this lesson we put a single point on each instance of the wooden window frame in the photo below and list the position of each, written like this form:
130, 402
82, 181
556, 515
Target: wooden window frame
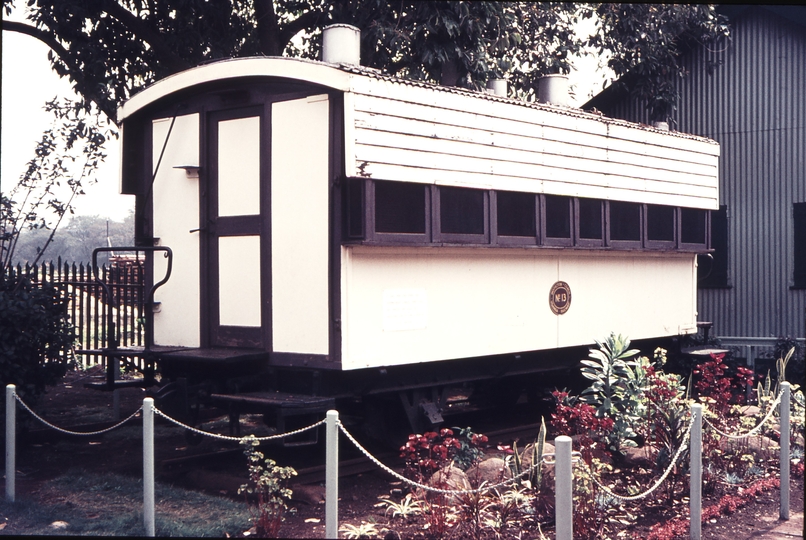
626, 244
395, 238
661, 245
458, 238
553, 241
589, 242
690, 246
507, 240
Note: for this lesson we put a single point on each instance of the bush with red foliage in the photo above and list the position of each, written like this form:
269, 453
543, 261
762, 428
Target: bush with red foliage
723, 384
573, 417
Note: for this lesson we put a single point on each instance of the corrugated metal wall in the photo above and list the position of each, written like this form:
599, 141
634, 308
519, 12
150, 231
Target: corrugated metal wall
750, 97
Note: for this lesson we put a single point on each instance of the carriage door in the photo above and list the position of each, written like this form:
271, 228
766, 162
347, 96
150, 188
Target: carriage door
236, 286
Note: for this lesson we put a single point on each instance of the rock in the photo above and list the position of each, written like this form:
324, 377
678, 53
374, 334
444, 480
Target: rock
450, 477
526, 456
757, 445
308, 494
59, 525
491, 470
644, 457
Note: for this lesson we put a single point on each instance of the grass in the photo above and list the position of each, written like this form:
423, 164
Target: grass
75, 497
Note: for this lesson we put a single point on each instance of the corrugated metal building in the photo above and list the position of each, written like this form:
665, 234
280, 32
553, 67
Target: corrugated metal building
749, 96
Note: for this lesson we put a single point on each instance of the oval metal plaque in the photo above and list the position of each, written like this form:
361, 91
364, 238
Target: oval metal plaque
560, 297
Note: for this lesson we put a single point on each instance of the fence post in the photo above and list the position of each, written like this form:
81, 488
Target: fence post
332, 475
563, 498
784, 415
11, 442
148, 466
695, 482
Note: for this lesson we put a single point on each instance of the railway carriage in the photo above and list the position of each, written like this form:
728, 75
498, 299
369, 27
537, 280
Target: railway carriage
338, 232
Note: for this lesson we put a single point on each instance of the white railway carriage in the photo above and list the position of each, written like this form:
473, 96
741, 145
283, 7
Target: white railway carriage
367, 228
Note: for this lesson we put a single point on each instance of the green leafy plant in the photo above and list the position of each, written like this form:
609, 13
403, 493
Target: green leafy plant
615, 387
364, 530
407, 507
35, 336
267, 482
534, 479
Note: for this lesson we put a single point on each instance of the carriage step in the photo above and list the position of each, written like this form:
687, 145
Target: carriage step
284, 405
106, 387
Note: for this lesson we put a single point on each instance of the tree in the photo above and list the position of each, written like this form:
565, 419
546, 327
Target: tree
112, 48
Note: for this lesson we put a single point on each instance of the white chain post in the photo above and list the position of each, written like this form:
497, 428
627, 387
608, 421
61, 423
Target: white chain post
695, 485
11, 442
148, 466
563, 498
784, 414
332, 475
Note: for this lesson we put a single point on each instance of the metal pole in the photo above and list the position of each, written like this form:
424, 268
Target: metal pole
332, 475
148, 466
11, 442
784, 413
563, 499
695, 486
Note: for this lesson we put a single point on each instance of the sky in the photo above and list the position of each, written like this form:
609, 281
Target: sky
28, 82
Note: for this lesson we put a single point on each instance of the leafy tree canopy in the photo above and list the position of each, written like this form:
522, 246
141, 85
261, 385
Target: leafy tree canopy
111, 48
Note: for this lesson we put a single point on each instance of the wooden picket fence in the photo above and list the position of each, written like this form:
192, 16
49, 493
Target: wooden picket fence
89, 309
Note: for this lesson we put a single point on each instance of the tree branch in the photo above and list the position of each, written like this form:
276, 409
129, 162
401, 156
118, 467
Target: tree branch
267, 31
64, 55
302, 22
139, 28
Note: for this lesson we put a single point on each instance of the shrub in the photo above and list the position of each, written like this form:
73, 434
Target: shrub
35, 336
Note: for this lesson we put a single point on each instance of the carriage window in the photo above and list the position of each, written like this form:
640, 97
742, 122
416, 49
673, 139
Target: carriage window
399, 207
590, 219
625, 221
692, 226
660, 223
516, 213
712, 271
558, 216
461, 210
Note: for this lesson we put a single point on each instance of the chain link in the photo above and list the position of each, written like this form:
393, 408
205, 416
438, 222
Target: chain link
431, 488
755, 429
67, 431
657, 484
236, 439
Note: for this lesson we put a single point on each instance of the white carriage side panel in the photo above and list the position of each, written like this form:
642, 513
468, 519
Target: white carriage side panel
176, 211
409, 133
409, 305
638, 296
239, 280
299, 223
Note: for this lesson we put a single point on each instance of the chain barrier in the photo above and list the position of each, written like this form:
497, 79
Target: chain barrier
236, 439
656, 485
399, 476
67, 431
752, 431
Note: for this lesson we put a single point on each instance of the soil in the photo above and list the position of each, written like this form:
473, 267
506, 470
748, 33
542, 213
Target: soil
218, 467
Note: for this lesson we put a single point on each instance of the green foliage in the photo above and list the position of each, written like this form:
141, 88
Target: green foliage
647, 41
407, 507
534, 479
616, 386
267, 482
453, 42
364, 530
35, 336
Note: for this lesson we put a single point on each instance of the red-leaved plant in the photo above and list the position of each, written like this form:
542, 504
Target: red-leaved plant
573, 417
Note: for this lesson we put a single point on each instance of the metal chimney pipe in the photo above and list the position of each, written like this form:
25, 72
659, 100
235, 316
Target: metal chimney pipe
341, 44
497, 87
553, 89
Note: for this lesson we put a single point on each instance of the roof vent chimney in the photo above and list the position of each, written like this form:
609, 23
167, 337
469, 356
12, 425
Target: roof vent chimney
497, 87
341, 44
553, 89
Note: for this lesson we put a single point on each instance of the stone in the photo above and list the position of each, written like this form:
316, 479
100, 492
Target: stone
757, 445
450, 477
492, 471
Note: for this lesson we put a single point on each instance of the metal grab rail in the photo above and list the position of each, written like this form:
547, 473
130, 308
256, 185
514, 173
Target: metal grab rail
112, 337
